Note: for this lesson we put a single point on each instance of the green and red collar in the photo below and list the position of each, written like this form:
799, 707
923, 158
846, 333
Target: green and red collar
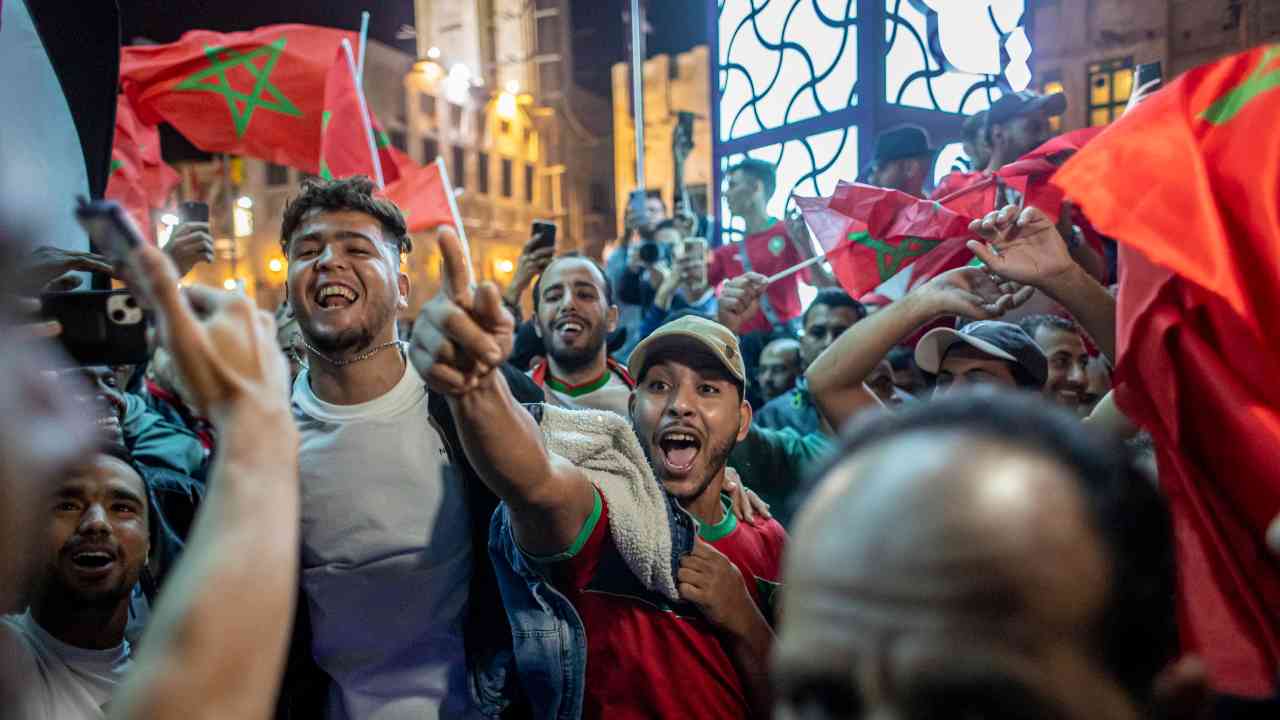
541, 377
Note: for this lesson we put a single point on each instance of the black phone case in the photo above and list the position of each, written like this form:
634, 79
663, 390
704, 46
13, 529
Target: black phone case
89, 336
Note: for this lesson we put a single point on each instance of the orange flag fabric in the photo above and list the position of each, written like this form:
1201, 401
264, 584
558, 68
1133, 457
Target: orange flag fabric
258, 93
421, 193
1189, 183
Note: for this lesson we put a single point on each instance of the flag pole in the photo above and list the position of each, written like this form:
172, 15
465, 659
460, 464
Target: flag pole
364, 41
797, 267
457, 218
637, 88
364, 116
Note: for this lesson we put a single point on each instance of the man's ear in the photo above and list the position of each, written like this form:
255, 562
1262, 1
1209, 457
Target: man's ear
631, 406
611, 318
744, 417
402, 280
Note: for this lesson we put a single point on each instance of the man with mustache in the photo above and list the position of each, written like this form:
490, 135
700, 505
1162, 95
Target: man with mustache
68, 650
614, 536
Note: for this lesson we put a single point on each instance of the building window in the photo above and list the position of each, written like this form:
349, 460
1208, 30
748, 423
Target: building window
599, 199
482, 173
459, 167
277, 174
506, 178
455, 116
1050, 83
427, 105
504, 127
528, 182
430, 150
399, 140
1110, 83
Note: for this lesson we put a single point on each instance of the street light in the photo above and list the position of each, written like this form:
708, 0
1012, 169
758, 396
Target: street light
245, 202
434, 53
229, 283
274, 265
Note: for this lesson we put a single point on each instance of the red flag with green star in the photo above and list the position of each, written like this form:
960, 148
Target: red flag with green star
258, 93
140, 180
1189, 183
870, 234
349, 142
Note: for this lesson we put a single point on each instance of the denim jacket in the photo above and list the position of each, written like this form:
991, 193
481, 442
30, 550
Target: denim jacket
548, 637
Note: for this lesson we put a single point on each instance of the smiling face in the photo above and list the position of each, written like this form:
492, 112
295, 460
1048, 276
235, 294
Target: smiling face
103, 400
574, 317
688, 414
1068, 379
345, 286
97, 537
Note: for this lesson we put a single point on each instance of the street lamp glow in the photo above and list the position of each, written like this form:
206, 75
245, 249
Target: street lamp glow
274, 265
457, 86
245, 202
229, 283
169, 219
434, 53
513, 87
505, 267
506, 106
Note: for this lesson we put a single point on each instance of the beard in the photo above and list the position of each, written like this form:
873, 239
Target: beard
714, 457
574, 359
66, 599
347, 341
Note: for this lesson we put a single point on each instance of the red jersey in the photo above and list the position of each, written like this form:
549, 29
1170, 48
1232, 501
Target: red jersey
769, 251
955, 181
637, 640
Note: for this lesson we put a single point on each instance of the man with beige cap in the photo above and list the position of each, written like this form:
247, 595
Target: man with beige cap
620, 562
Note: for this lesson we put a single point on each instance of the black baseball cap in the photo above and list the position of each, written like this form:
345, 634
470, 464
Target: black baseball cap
903, 142
1013, 105
1000, 340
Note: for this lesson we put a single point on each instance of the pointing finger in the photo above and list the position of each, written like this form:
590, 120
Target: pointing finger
456, 268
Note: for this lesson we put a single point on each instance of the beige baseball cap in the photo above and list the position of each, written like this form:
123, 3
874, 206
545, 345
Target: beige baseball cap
708, 334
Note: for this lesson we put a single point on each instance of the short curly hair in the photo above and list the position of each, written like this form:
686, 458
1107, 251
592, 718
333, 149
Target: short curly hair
353, 193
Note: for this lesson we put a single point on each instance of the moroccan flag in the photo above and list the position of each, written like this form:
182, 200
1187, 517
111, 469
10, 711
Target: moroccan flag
140, 180
348, 143
871, 234
258, 93
1189, 183
421, 193
1030, 174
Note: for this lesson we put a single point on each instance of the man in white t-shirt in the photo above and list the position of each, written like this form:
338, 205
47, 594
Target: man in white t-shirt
391, 608
67, 653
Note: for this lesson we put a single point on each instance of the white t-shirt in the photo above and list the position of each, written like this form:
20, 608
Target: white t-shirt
386, 554
53, 679
610, 393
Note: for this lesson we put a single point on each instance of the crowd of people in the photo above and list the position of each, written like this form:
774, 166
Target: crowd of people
674, 489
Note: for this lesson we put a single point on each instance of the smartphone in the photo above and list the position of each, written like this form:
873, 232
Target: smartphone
99, 327
543, 234
684, 123
1147, 72
638, 202
109, 227
192, 211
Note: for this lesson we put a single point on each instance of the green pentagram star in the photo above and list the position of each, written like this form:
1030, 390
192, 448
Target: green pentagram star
892, 258
242, 105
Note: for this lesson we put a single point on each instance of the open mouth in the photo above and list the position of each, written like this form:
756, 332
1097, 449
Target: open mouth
678, 450
334, 295
93, 562
570, 329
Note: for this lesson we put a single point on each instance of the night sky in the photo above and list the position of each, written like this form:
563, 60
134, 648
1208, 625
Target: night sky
598, 31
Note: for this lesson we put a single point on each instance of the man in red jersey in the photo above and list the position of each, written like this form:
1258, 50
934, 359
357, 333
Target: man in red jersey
614, 536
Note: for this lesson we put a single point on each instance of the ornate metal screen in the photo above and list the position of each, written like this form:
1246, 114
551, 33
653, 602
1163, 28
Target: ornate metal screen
807, 84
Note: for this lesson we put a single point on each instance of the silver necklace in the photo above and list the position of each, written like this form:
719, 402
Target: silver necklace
349, 361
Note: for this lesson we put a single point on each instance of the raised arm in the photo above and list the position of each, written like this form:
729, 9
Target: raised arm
216, 643
459, 340
1025, 247
836, 378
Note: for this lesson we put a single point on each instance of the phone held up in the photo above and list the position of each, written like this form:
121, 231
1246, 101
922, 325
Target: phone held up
543, 234
192, 211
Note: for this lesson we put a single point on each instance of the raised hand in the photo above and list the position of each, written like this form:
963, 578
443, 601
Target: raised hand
740, 300
189, 244
223, 346
972, 293
1022, 246
530, 265
46, 264
463, 333
746, 503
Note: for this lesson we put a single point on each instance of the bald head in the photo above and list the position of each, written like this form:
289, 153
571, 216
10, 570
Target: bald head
779, 366
942, 560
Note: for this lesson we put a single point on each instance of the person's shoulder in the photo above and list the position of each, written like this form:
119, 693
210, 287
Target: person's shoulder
17, 647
